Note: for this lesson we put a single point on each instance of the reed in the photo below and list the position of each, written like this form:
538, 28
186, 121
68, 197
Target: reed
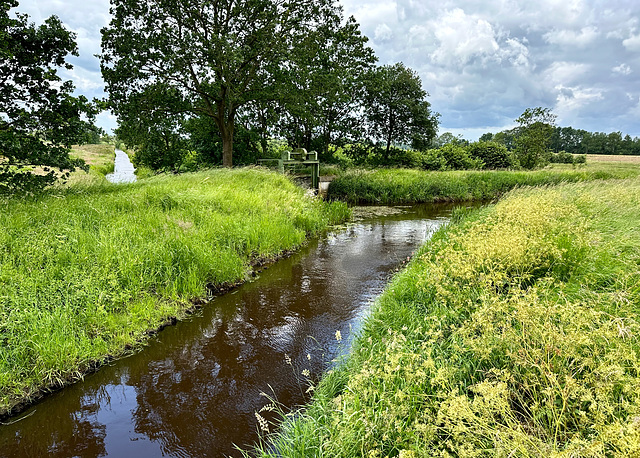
406, 186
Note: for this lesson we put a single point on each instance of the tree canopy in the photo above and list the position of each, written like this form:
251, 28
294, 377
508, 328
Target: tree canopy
397, 109
39, 117
533, 137
220, 56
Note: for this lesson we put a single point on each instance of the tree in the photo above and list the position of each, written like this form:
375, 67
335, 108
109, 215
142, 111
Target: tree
535, 127
221, 55
396, 107
448, 138
325, 84
39, 118
152, 122
486, 137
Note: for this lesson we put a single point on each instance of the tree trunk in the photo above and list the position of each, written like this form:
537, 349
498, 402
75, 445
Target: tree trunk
225, 119
227, 147
391, 127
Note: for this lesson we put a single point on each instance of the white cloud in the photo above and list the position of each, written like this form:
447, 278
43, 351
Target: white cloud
622, 69
516, 53
572, 100
383, 33
565, 73
583, 38
632, 43
462, 37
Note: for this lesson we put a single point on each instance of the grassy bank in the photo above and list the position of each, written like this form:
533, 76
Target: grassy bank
85, 271
404, 186
100, 158
514, 332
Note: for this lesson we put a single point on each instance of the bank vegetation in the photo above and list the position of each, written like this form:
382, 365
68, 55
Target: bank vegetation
87, 271
513, 332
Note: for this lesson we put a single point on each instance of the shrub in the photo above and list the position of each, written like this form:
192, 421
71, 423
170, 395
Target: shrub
339, 157
494, 155
458, 158
561, 158
433, 160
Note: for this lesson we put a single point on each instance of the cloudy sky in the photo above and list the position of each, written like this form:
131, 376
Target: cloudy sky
482, 62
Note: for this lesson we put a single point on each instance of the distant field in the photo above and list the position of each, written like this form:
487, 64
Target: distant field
613, 158
100, 159
94, 155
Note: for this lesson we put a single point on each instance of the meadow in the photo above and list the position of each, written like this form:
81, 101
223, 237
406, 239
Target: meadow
513, 332
99, 157
404, 186
87, 270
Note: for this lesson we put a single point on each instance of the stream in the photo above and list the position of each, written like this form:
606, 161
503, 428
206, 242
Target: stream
123, 171
195, 389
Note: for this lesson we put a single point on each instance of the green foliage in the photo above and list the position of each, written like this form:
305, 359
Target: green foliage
85, 271
534, 136
433, 160
580, 159
447, 138
39, 118
399, 186
458, 158
494, 155
567, 158
511, 333
226, 58
153, 124
323, 85
396, 107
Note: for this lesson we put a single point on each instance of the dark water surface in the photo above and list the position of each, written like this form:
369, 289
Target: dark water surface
194, 391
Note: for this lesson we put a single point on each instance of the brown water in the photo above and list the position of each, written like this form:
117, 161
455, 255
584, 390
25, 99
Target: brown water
194, 391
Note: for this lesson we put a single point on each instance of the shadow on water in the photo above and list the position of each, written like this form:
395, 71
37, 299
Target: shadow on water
195, 389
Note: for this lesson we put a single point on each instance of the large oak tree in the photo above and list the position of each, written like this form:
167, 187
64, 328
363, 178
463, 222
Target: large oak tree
220, 55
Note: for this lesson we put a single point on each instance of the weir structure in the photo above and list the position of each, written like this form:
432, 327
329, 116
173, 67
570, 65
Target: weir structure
297, 161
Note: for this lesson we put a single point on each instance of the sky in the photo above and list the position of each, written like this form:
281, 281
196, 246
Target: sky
482, 62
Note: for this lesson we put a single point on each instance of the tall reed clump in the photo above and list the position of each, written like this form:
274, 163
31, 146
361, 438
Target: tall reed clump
405, 186
85, 271
514, 332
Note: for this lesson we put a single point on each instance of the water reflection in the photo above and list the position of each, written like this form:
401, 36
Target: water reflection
195, 390
124, 171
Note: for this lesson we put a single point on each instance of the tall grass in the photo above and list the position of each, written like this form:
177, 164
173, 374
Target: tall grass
100, 157
513, 332
86, 270
402, 186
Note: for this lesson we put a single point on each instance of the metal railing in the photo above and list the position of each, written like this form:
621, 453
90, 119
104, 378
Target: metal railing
296, 159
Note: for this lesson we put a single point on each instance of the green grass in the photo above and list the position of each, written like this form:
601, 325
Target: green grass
514, 332
86, 270
100, 157
405, 186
